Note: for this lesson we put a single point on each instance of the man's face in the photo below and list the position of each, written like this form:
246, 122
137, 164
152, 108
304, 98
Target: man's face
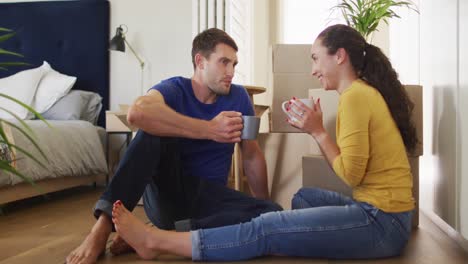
218, 69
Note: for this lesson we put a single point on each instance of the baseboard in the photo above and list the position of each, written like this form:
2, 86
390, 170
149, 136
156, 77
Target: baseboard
446, 228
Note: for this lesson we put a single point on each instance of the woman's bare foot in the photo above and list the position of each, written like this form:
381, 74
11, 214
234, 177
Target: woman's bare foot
119, 246
138, 235
89, 250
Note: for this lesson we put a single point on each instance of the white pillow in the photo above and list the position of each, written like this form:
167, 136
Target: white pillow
52, 87
21, 86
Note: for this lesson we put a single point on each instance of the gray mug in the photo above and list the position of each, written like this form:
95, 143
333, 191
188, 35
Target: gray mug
251, 127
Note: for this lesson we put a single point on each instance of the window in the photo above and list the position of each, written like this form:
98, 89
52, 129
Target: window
234, 17
302, 20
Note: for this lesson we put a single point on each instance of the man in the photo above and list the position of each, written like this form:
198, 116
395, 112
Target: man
180, 158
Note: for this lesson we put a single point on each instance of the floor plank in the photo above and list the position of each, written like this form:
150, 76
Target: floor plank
38, 231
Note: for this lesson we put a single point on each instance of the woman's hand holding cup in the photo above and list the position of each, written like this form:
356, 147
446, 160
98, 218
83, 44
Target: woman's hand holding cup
305, 115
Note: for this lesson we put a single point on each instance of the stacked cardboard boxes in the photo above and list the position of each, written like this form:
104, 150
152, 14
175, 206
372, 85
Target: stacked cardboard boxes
285, 146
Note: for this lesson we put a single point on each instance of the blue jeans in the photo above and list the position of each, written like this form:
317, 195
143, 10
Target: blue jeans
152, 167
322, 224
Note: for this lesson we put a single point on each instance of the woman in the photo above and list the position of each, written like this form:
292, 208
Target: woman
374, 133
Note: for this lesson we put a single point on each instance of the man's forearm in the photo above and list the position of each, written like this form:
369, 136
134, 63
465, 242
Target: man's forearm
256, 173
159, 119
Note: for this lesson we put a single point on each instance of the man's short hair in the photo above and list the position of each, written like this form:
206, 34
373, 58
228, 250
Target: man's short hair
206, 41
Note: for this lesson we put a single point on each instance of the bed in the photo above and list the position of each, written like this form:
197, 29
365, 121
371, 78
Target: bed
72, 37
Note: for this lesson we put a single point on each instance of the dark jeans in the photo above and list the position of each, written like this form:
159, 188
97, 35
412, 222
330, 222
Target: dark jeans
152, 167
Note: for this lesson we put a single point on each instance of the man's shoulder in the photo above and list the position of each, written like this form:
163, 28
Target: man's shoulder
174, 85
173, 82
237, 89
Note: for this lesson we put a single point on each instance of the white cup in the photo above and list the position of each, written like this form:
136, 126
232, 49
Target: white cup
307, 101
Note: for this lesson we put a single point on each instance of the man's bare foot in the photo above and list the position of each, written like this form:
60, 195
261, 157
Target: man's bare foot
94, 244
119, 246
138, 235
89, 250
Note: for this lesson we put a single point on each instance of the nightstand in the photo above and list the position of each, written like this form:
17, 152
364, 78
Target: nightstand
116, 124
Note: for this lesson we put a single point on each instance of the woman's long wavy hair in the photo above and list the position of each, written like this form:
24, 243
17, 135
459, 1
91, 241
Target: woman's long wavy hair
373, 67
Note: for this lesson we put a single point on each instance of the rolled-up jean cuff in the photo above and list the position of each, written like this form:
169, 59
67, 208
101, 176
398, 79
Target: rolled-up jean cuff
196, 245
103, 206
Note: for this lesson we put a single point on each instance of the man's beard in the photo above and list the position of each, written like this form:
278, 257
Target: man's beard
220, 91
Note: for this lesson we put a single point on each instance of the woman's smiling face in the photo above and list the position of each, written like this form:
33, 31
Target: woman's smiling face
324, 65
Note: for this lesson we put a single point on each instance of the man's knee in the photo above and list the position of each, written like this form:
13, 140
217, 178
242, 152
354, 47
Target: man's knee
146, 139
271, 206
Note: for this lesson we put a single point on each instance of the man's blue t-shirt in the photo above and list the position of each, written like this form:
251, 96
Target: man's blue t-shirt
204, 158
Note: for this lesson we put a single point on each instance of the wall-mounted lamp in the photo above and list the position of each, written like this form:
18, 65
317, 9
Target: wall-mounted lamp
118, 43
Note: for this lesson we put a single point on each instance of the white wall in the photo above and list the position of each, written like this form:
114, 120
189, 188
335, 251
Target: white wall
434, 52
263, 37
439, 75
404, 45
161, 32
463, 122
262, 40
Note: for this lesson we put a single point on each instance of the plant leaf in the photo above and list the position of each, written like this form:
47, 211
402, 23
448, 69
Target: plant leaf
30, 109
6, 52
19, 120
15, 63
365, 15
26, 135
5, 166
25, 152
5, 37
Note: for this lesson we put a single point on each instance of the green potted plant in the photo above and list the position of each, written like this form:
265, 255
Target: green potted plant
6, 146
365, 15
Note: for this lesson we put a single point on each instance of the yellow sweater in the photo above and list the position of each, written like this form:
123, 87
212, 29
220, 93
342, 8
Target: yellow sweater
373, 158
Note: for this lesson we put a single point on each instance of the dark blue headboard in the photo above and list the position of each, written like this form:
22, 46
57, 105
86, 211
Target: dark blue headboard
72, 36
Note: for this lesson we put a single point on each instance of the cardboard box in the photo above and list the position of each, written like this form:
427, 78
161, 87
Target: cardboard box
116, 121
415, 93
414, 163
292, 67
292, 58
283, 154
318, 173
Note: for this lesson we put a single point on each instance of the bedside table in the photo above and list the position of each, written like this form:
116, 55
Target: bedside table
116, 124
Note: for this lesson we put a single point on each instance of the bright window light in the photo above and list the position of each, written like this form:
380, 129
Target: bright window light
303, 20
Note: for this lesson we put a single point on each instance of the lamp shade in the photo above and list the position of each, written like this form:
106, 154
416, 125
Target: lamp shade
118, 41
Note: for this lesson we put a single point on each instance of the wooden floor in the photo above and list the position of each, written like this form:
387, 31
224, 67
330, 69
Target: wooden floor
45, 231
